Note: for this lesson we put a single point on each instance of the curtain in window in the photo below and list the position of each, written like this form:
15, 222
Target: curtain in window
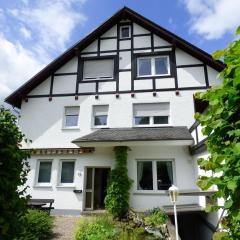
139, 174
170, 171
145, 177
164, 175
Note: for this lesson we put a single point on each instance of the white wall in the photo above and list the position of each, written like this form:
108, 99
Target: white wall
183, 58
183, 171
42, 120
71, 66
184, 174
43, 88
64, 196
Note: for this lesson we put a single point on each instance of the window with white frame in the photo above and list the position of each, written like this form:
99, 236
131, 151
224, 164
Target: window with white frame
153, 114
154, 174
124, 31
71, 117
153, 66
99, 69
100, 115
44, 171
67, 171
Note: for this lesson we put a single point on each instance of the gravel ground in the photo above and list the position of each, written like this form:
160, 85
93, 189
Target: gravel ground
64, 227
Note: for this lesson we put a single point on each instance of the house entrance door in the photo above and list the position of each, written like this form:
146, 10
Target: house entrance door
95, 187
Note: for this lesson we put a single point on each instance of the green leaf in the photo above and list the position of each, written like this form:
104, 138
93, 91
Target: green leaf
237, 148
218, 54
238, 31
232, 185
228, 203
211, 208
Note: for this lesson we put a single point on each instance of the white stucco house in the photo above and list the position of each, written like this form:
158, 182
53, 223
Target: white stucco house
129, 82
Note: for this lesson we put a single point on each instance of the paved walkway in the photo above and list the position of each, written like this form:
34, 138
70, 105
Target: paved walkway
65, 227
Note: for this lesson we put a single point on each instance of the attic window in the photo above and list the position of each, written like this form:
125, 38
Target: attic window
98, 69
153, 66
124, 32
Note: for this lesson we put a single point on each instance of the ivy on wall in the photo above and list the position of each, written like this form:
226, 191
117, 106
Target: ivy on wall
221, 125
119, 184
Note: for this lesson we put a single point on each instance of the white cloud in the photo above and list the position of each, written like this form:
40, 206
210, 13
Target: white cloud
48, 27
213, 18
25, 32
52, 21
17, 65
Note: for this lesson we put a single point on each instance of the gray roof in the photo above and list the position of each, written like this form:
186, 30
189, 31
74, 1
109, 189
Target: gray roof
136, 134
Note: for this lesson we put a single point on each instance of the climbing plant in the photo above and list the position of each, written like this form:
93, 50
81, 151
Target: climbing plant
13, 172
221, 125
119, 184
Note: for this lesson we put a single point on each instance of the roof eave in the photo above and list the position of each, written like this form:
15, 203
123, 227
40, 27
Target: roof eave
108, 143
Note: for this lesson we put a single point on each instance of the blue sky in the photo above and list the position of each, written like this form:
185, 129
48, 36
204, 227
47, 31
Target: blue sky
34, 32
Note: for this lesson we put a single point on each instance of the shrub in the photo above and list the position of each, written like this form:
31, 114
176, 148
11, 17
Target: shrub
155, 217
220, 236
119, 184
100, 228
221, 126
38, 225
13, 176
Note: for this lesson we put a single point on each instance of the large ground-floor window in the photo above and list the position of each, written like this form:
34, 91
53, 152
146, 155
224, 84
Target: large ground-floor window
154, 174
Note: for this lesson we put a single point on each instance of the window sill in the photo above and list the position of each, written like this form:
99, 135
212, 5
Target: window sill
97, 79
42, 186
65, 186
153, 126
100, 126
71, 128
151, 192
153, 76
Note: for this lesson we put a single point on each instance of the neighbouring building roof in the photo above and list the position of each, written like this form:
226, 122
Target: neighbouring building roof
16, 97
136, 134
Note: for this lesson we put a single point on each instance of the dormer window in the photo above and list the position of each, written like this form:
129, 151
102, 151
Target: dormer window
124, 32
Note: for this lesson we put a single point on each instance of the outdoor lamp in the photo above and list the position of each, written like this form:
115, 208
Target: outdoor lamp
173, 193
